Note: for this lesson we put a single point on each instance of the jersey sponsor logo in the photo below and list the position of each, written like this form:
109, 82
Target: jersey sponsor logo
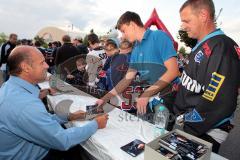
191, 84
193, 116
198, 57
214, 86
237, 50
207, 50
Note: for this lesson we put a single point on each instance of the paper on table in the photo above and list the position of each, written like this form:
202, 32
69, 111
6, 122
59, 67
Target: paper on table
66, 104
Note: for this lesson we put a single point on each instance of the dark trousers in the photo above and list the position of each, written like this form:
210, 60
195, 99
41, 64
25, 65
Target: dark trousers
168, 101
216, 145
5, 75
227, 127
74, 153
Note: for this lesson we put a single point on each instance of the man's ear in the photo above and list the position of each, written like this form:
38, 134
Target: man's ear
25, 67
204, 15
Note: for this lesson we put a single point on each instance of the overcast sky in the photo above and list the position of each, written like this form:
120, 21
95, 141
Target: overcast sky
27, 17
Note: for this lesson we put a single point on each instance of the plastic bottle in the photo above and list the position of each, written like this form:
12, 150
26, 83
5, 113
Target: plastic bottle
160, 120
53, 81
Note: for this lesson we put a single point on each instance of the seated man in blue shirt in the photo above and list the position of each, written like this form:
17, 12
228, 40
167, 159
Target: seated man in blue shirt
27, 130
153, 57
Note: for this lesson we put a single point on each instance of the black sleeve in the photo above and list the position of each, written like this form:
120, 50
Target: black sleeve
85, 50
221, 81
2, 54
56, 61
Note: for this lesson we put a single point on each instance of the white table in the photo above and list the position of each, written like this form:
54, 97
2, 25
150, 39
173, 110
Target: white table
121, 129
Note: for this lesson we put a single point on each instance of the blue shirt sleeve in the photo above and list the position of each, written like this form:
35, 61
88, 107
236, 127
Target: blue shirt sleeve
40, 127
166, 46
60, 119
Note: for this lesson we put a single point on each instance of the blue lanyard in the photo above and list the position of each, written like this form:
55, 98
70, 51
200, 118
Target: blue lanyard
214, 33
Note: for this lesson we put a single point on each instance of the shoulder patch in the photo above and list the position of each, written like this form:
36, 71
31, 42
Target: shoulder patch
198, 57
207, 50
214, 86
238, 51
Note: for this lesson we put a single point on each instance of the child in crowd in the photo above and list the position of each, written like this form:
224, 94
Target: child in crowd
79, 76
116, 70
111, 49
120, 63
125, 47
117, 62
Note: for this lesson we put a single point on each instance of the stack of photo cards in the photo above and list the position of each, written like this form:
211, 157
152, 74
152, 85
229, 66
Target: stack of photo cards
92, 111
176, 146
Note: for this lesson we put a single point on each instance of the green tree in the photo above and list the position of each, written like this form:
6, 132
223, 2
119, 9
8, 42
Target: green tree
182, 50
3, 38
41, 40
183, 36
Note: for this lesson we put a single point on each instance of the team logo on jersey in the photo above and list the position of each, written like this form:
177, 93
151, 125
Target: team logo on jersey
237, 50
207, 50
193, 116
198, 57
214, 86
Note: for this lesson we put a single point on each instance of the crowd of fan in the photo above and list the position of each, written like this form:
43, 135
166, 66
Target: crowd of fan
139, 70
101, 64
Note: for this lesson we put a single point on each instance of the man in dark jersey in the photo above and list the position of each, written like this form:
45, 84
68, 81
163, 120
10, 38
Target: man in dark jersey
208, 93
